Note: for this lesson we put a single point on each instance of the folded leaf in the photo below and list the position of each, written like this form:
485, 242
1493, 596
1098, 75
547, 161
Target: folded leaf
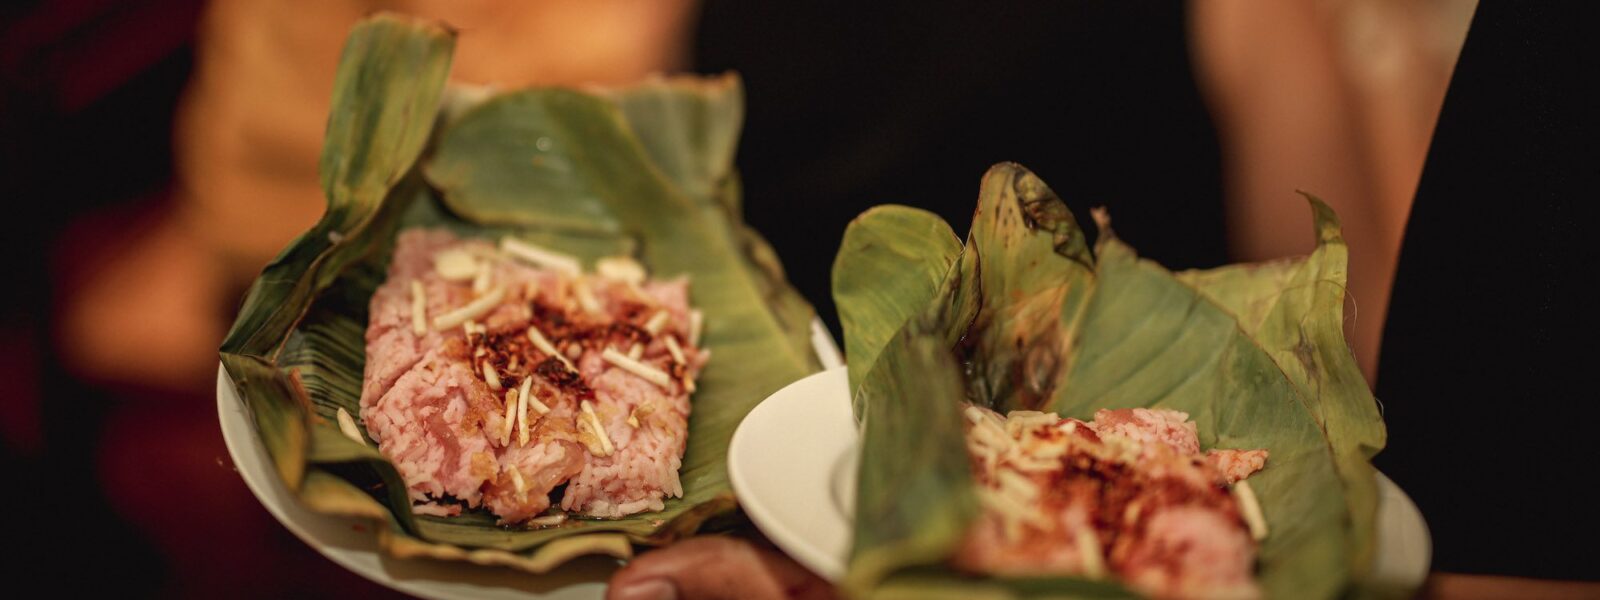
386, 93
1039, 322
889, 267
1033, 270
915, 496
688, 125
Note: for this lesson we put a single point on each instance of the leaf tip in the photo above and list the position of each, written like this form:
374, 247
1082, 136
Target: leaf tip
1325, 219
1102, 220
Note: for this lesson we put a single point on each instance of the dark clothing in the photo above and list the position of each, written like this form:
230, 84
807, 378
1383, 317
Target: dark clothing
1488, 364
855, 105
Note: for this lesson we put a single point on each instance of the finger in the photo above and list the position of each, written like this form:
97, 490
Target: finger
715, 568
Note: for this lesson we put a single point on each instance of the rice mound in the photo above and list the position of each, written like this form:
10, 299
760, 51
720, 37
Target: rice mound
427, 400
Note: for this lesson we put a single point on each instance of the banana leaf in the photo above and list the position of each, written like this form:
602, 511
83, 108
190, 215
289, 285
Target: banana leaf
569, 160
558, 167
1025, 317
1294, 308
690, 128
897, 256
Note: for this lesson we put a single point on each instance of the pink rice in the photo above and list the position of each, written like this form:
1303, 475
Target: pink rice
1127, 495
425, 401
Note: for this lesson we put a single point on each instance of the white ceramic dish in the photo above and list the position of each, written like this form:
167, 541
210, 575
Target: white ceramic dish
802, 500
352, 544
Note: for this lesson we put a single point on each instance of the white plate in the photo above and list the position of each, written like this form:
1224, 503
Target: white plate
352, 544
793, 461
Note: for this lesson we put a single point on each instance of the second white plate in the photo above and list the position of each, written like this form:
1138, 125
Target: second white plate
793, 464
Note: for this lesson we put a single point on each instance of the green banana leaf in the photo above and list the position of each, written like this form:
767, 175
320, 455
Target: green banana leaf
690, 128
897, 256
1024, 316
643, 171
1294, 309
907, 453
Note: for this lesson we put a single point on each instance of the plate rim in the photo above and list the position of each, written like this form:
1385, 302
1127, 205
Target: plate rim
324, 533
816, 559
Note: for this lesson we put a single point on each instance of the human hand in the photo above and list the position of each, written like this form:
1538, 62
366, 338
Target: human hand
716, 568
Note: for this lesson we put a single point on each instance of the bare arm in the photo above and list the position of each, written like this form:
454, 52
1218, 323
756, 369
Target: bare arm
1336, 99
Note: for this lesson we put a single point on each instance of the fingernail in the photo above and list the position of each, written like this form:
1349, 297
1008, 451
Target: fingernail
649, 589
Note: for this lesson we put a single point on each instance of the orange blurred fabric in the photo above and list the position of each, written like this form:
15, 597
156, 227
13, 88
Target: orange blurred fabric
249, 132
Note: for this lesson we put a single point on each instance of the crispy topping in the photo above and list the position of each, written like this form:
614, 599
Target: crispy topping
520, 397
347, 426
1250, 509
674, 350
544, 345
988, 435
636, 351
548, 521
541, 257
572, 334
537, 406
1094, 566
517, 482
621, 268
585, 297
1018, 485
474, 309
553, 371
491, 376
642, 411
511, 415
1019, 421
656, 322
419, 309
1012, 511
434, 510
644, 371
592, 433
455, 264
480, 280
697, 321
552, 320
1043, 481
623, 331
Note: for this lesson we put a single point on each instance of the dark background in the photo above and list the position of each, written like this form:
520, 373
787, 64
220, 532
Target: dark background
905, 102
